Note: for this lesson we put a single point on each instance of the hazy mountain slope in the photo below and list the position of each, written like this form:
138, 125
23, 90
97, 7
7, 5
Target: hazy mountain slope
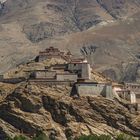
120, 8
27, 26
112, 48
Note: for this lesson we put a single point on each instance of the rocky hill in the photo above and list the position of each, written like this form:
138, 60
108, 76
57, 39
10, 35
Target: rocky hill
110, 26
28, 108
32, 108
105, 31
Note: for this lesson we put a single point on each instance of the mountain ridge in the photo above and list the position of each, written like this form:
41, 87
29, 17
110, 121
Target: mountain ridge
30, 26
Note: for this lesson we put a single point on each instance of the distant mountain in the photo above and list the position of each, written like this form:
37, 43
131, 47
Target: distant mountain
2, 1
105, 31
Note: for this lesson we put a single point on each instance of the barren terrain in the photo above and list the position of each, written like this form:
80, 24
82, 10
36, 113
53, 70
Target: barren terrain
33, 108
106, 30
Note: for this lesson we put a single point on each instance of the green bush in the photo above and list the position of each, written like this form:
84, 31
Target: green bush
106, 137
17, 138
20, 138
124, 137
95, 137
41, 136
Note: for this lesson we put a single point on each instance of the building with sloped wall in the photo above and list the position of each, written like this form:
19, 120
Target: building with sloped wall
66, 77
92, 89
54, 76
53, 52
82, 69
135, 89
73, 71
44, 74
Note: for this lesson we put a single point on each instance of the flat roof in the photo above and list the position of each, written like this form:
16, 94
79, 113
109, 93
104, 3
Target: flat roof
43, 71
78, 63
47, 80
66, 74
93, 83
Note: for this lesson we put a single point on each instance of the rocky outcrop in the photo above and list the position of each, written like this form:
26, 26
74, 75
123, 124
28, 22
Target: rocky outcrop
5, 90
33, 108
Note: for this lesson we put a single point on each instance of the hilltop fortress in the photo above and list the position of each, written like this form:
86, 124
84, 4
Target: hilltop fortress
77, 73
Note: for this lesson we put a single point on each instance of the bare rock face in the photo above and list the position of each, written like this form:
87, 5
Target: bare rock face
33, 108
5, 90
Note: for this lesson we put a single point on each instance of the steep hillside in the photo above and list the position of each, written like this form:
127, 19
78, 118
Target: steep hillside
28, 108
120, 8
33, 108
110, 26
5, 90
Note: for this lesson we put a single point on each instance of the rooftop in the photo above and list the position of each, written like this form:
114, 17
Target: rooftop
91, 83
51, 50
78, 60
